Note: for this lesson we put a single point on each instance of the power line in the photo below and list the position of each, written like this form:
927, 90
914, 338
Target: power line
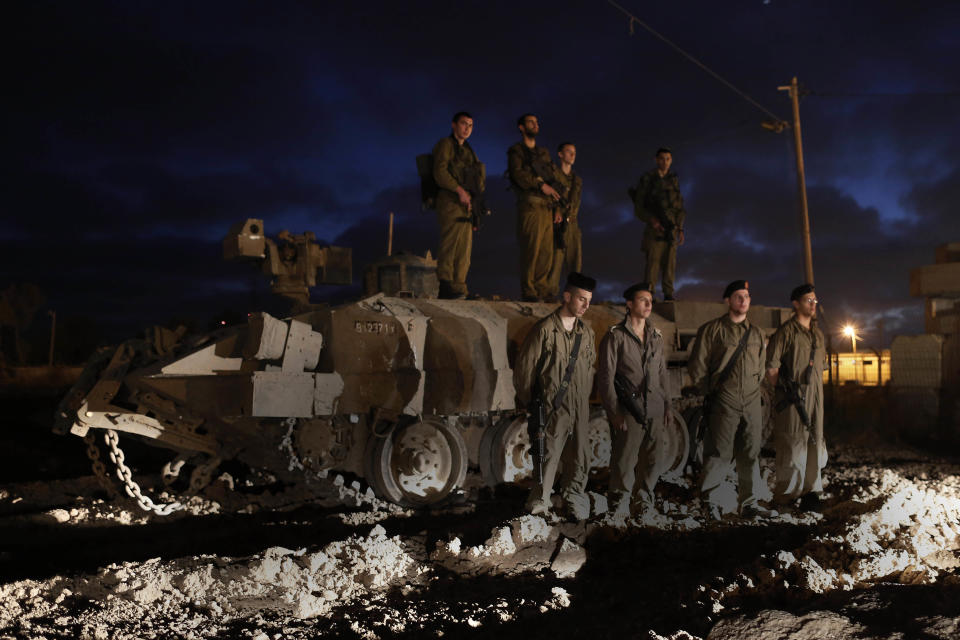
635, 20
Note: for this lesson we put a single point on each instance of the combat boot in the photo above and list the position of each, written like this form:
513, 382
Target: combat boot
711, 512
753, 510
538, 508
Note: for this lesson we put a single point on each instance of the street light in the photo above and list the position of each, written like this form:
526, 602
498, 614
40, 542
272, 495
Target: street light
851, 332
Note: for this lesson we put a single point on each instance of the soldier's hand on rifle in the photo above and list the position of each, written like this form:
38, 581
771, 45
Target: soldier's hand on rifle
549, 191
464, 196
772, 376
619, 422
680, 238
557, 217
656, 225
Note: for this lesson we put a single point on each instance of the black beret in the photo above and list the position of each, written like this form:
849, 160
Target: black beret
801, 291
581, 281
736, 285
632, 290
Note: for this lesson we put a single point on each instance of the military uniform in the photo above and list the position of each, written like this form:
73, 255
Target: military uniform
634, 451
451, 162
801, 453
735, 424
541, 362
658, 197
534, 218
571, 258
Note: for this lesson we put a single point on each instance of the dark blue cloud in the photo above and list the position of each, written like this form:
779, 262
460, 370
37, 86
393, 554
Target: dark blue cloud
137, 133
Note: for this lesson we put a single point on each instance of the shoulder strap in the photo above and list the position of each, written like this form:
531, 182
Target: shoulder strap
733, 359
568, 374
808, 372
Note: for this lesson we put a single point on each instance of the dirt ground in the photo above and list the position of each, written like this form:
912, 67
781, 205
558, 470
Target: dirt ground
880, 560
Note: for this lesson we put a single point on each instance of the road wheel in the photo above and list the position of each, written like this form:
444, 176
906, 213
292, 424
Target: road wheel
504, 454
417, 464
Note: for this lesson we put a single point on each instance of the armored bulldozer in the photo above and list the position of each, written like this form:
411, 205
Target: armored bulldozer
403, 391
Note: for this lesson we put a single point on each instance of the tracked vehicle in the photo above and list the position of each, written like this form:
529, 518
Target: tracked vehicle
398, 388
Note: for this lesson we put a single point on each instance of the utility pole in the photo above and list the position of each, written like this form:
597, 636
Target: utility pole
390, 236
793, 88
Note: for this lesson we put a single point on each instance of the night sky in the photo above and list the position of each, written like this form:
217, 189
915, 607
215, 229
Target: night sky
138, 132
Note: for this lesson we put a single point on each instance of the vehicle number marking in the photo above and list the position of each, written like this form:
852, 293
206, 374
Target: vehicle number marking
374, 326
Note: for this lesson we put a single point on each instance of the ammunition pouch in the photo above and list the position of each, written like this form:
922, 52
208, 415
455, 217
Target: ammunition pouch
629, 397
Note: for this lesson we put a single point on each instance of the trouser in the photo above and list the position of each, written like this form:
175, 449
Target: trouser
801, 453
566, 260
733, 434
535, 237
565, 440
633, 458
456, 242
661, 255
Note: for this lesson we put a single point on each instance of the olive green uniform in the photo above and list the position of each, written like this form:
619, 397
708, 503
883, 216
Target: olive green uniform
451, 162
735, 424
634, 451
540, 365
571, 258
534, 218
659, 197
801, 453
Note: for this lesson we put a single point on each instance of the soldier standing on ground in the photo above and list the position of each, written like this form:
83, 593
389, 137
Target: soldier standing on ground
657, 201
530, 170
729, 376
567, 255
631, 363
539, 372
457, 171
795, 363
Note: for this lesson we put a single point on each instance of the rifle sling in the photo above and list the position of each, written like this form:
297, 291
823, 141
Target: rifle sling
644, 354
567, 375
727, 370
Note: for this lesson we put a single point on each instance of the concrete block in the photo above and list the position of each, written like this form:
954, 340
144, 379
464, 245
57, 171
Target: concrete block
916, 361
949, 252
935, 280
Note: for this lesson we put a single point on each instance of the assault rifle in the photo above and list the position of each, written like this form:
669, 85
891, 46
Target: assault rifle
546, 171
669, 227
473, 183
792, 395
629, 397
536, 424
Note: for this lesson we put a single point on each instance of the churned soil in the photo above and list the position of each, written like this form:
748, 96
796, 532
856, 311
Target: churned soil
879, 559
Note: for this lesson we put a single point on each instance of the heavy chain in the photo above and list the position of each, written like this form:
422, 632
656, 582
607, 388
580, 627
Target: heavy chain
129, 485
99, 469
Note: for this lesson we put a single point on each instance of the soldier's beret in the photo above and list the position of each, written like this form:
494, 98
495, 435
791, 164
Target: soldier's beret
801, 291
632, 290
581, 281
736, 285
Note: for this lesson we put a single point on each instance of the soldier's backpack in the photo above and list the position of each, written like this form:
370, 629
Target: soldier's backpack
428, 186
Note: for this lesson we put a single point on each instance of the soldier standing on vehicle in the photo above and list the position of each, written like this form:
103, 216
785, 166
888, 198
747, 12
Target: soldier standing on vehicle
567, 253
531, 171
632, 382
553, 375
795, 363
657, 201
726, 365
460, 177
